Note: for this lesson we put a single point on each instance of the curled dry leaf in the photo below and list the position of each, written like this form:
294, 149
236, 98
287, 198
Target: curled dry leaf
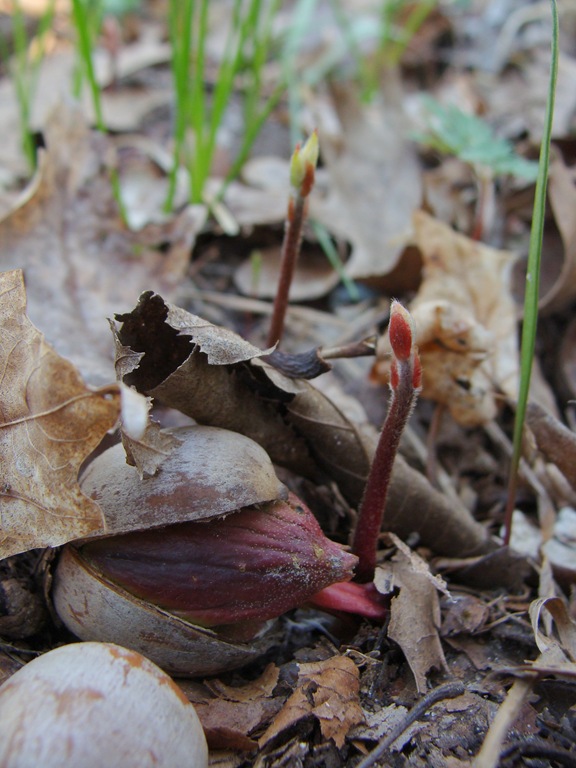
555, 440
465, 323
557, 648
414, 612
50, 421
298, 426
198, 368
328, 690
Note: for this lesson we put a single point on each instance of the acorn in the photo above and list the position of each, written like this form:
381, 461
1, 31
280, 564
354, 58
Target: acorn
204, 555
92, 705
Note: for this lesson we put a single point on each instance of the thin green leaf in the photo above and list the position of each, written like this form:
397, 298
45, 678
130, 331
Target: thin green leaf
531, 297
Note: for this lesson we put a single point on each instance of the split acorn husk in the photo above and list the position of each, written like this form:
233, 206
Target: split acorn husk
196, 561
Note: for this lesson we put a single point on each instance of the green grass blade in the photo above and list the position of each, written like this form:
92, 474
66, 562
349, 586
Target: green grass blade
533, 281
335, 261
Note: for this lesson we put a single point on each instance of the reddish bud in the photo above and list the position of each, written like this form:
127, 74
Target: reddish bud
255, 564
401, 331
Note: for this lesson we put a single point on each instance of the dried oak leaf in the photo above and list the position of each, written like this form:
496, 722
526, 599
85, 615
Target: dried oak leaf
465, 323
231, 714
326, 690
49, 422
414, 612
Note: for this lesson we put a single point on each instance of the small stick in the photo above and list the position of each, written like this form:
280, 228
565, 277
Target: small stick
302, 170
446, 691
405, 382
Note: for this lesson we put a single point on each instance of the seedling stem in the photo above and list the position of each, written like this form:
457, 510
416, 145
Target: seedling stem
405, 383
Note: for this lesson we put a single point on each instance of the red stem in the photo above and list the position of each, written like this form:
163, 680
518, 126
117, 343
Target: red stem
371, 512
290, 249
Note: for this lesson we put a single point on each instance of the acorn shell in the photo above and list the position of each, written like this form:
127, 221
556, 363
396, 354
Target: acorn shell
211, 473
94, 608
97, 705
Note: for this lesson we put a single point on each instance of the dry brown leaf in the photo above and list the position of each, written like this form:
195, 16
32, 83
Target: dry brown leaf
314, 276
79, 260
327, 690
465, 323
374, 179
262, 687
236, 712
50, 422
148, 451
414, 614
555, 440
227, 724
554, 650
196, 367
562, 197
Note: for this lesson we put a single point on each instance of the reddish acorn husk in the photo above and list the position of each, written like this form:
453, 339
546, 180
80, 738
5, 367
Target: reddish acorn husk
252, 565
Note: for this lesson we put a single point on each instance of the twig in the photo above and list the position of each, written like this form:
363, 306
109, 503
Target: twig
446, 691
489, 754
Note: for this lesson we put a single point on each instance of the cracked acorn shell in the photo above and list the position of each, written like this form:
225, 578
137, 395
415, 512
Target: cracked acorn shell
272, 548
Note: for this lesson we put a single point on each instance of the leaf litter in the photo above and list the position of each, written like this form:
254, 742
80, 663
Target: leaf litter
334, 686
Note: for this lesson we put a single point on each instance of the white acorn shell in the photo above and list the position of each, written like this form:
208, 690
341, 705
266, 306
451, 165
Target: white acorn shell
212, 473
97, 705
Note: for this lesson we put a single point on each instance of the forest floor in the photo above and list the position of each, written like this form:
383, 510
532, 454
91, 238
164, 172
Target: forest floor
419, 198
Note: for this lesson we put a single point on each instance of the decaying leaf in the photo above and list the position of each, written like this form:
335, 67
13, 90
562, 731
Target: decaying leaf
465, 323
314, 276
79, 260
231, 714
373, 178
557, 649
50, 422
556, 441
326, 690
562, 196
414, 612
147, 451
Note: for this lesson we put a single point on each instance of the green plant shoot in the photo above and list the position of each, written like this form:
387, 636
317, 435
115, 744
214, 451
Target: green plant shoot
25, 67
531, 297
198, 114
87, 19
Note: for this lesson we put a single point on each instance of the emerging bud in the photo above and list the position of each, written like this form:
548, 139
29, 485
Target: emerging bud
405, 382
303, 164
401, 331
253, 565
